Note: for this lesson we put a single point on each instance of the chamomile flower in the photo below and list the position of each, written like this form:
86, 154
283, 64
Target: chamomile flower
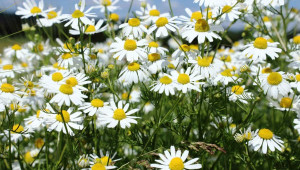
260, 48
106, 160
151, 14
286, 103
130, 48
230, 11
295, 60
134, 27
16, 50
90, 29
36, 121
93, 107
204, 66
110, 5
274, 84
182, 51
162, 25
8, 92
118, 115
65, 119
193, 17
238, 92
154, 47
225, 77
164, 85
185, 80
79, 15
32, 9
202, 30
296, 83
17, 133
265, 139
52, 17
55, 78
133, 73
66, 93
175, 160
244, 135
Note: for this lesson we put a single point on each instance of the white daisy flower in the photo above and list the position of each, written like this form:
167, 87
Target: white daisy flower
118, 114
65, 119
230, 11
16, 50
295, 60
162, 25
286, 103
153, 47
52, 17
203, 31
260, 48
8, 92
204, 66
133, 73
90, 29
79, 15
32, 9
274, 84
110, 5
36, 121
225, 77
164, 85
244, 135
175, 160
134, 27
296, 83
185, 80
105, 160
265, 139
183, 51
151, 14
130, 48
17, 133
193, 17
65, 94
238, 92
93, 107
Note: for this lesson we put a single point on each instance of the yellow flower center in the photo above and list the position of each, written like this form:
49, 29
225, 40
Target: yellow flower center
248, 136
119, 114
98, 166
23, 64
39, 143
265, 134
51, 15
176, 164
134, 22
16, 47
153, 44
66, 89
185, 48
35, 10
266, 19
72, 81
171, 66
201, 26
266, 70
114, 17
77, 14
97, 103
7, 88
105, 160
286, 102
17, 128
66, 116
165, 80
237, 89
162, 21
130, 45
296, 39
28, 84
183, 78
153, 57
38, 113
227, 73
226, 9
106, 2
274, 78
154, 12
90, 28
196, 15
57, 76
93, 56
260, 43
226, 58
204, 62
297, 77
66, 56
125, 96
8, 67
133, 66
28, 158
